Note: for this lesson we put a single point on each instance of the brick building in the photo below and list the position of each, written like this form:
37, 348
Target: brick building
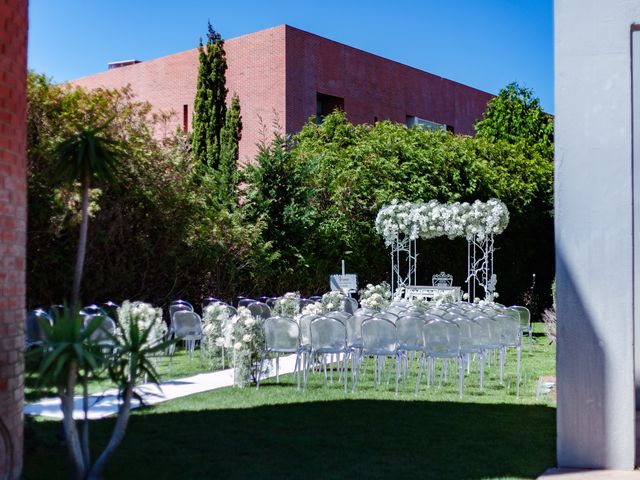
290, 75
13, 218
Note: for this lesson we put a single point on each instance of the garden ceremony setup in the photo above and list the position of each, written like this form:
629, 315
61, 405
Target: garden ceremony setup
229, 274
396, 340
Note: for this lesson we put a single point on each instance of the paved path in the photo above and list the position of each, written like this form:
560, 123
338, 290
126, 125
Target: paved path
578, 474
106, 403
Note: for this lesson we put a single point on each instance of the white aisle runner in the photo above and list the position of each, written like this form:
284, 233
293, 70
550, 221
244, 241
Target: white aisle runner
106, 403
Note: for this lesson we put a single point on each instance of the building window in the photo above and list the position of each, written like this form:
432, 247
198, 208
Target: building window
185, 118
325, 104
426, 124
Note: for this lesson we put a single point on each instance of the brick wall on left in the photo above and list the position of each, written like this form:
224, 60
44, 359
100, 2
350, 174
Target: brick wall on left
13, 220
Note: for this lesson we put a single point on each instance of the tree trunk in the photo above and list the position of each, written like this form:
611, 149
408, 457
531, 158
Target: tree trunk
82, 243
116, 436
86, 455
70, 431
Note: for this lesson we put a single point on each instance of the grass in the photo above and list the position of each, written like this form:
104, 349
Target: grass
279, 432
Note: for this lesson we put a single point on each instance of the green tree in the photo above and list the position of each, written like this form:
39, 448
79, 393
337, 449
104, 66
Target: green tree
515, 115
209, 107
228, 169
87, 155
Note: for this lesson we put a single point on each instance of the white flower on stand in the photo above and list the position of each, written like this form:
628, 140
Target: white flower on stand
375, 297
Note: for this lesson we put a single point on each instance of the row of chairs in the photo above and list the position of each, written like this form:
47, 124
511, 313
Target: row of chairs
34, 334
460, 333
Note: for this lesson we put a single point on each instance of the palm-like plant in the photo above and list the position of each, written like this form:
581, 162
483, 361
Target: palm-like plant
88, 154
70, 355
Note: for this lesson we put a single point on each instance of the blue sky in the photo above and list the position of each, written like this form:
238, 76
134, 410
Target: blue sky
482, 43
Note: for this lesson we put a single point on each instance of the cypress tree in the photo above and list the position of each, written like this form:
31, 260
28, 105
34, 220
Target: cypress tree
228, 168
202, 108
210, 109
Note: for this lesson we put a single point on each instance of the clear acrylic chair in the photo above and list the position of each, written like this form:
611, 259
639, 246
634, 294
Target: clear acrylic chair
103, 335
259, 310
33, 334
380, 340
281, 335
474, 342
525, 322
441, 340
350, 305
243, 301
354, 340
187, 326
410, 339
305, 337
511, 337
328, 337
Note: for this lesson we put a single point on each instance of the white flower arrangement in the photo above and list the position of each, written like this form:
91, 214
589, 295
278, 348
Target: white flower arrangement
312, 309
216, 330
145, 315
288, 305
332, 301
247, 344
375, 297
434, 219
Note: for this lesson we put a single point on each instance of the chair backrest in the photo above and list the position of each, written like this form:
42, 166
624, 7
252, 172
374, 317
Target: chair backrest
316, 298
492, 331
397, 309
510, 332
56, 311
179, 306
442, 280
243, 302
305, 328
270, 301
259, 310
350, 305
354, 330
441, 338
342, 316
451, 316
328, 335
110, 308
33, 331
206, 301
282, 334
392, 317
525, 315
473, 336
379, 336
107, 327
367, 312
409, 331
187, 325
438, 312
92, 310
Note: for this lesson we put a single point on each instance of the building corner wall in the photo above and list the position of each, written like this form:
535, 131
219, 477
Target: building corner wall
594, 233
13, 81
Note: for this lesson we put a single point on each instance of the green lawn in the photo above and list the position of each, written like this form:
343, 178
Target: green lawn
279, 432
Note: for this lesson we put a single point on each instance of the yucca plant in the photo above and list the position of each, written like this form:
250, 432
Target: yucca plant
88, 155
71, 355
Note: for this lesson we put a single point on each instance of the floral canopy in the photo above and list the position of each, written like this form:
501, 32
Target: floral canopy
475, 221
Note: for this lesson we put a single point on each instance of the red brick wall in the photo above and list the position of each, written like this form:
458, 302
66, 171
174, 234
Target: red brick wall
277, 72
13, 71
256, 73
372, 86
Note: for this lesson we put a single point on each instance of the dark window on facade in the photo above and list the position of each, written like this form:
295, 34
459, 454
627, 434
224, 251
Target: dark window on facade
375, 120
450, 129
185, 118
325, 104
